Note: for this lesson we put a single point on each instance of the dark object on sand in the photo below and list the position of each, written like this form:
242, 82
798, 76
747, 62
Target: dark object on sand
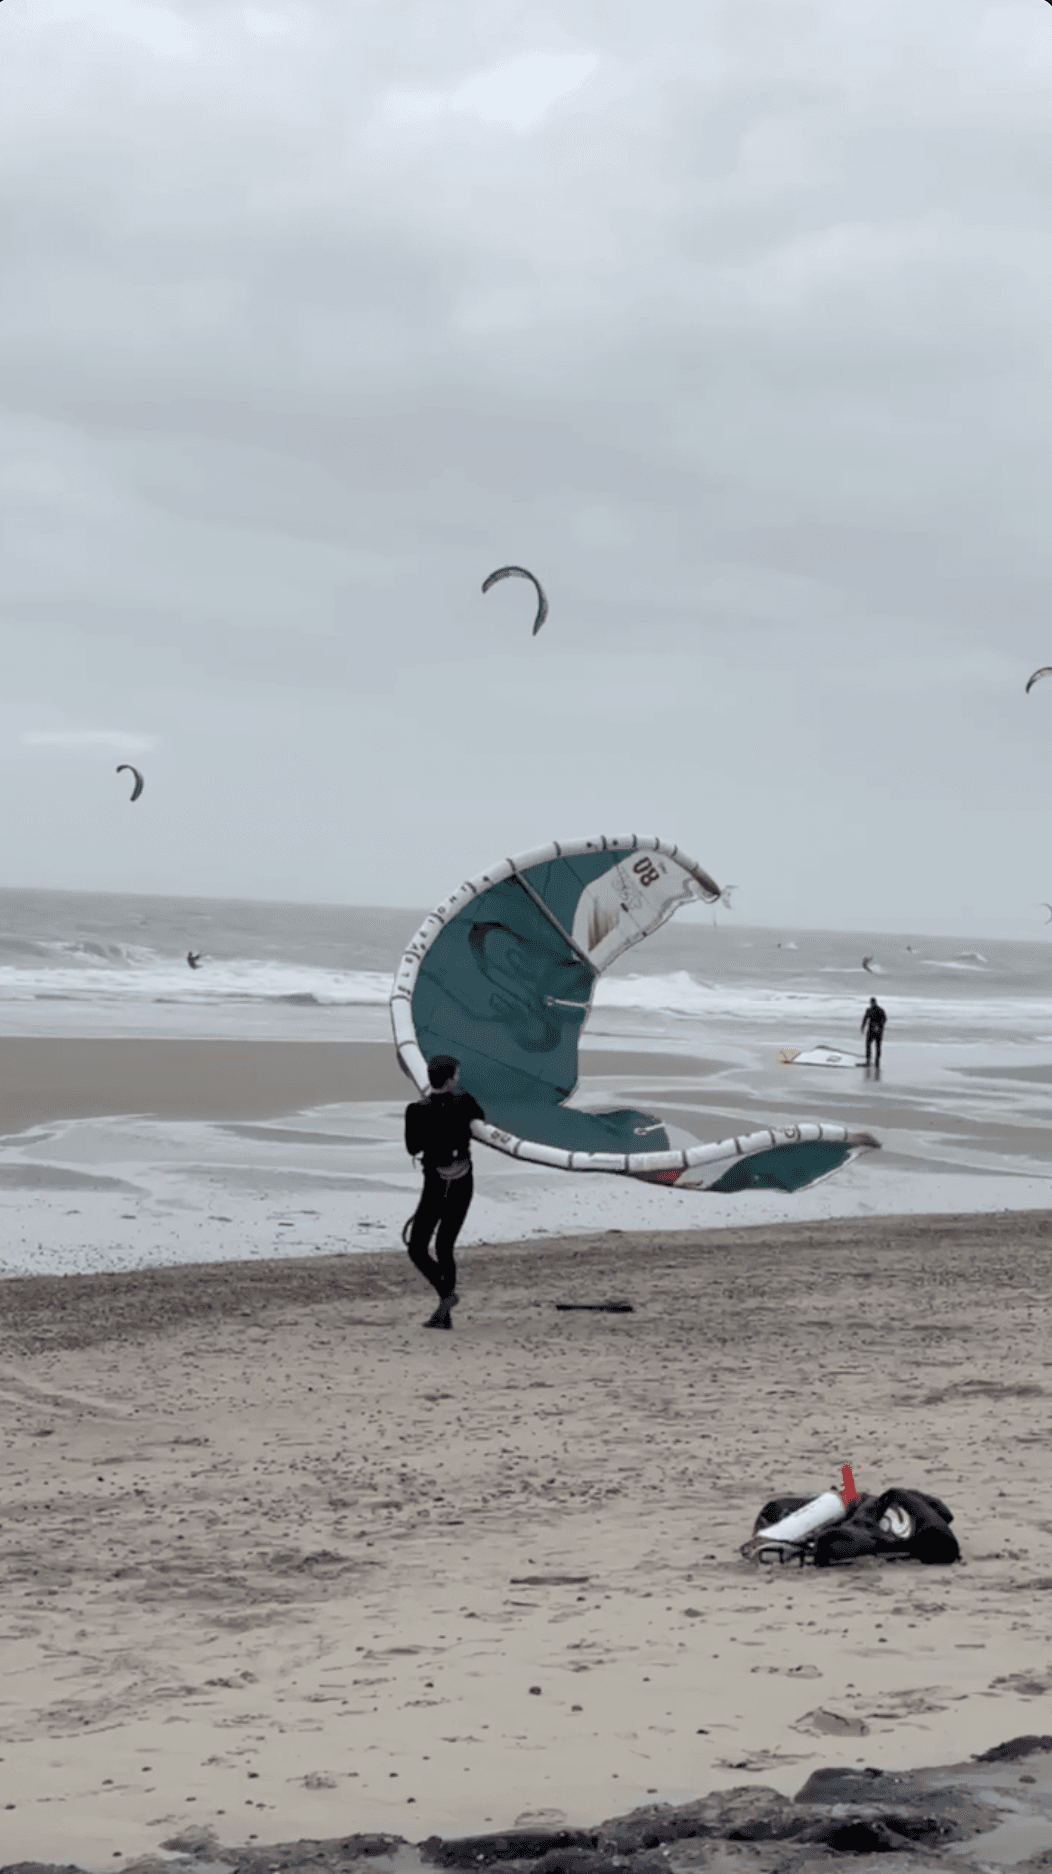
549, 1581
595, 1307
1016, 1747
898, 1525
513, 1844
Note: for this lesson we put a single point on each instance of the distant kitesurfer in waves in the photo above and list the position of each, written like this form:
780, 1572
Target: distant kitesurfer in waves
193, 957
438, 1129
873, 1028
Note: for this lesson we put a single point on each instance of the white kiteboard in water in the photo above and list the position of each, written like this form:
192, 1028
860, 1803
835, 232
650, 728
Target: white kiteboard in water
816, 1057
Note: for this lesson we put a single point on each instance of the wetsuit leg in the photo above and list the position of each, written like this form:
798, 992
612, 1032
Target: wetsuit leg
454, 1210
428, 1212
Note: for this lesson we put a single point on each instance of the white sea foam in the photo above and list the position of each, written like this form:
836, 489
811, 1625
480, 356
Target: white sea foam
122, 977
796, 1010
141, 976
125, 959
953, 963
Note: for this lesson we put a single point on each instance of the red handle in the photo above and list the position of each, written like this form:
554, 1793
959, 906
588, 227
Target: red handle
847, 1492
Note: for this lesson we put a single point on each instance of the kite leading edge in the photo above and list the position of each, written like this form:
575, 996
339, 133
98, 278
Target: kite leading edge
521, 572
501, 976
125, 767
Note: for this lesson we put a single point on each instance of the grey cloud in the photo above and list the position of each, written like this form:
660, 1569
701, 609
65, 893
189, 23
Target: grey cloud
730, 320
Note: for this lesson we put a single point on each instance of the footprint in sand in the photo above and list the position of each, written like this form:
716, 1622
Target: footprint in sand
761, 1760
822, 1723
911, 1702
791, 1672
1024, 1684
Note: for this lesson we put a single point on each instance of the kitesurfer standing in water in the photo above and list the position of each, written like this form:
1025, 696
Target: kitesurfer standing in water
438, 1129
873, 1028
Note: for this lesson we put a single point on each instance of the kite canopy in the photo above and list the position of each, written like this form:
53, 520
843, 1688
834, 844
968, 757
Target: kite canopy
522, 572
125, 767
502, 976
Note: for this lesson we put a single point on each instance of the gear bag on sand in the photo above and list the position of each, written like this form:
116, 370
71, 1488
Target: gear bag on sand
897, 1525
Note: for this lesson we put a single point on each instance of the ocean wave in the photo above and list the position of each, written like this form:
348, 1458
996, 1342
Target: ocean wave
681, 994
122, 975
954, 963
146, 977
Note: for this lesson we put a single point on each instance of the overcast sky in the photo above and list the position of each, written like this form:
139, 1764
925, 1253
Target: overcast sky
730, 318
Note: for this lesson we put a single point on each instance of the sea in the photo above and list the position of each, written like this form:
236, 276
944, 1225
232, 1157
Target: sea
702, 1023
77, 961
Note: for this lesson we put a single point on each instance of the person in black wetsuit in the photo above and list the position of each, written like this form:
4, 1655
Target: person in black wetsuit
873, 1028
438, 1129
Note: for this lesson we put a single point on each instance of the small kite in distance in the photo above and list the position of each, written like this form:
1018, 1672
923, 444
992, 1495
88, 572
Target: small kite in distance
866, 961
520, 572
1048, 907
1046, 669
125, 767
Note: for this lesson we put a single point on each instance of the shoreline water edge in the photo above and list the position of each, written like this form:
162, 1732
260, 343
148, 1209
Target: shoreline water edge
260, 1088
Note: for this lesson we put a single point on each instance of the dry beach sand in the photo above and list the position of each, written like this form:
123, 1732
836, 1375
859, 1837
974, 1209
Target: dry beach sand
280, 1564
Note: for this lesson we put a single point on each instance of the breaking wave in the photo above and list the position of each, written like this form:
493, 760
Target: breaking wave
681, 994
82, 975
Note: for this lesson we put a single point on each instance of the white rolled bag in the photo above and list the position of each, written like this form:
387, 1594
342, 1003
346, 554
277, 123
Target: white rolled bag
792, 1533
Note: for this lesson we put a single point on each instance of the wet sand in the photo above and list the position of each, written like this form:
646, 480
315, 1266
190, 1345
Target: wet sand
133, 1151
44, 1078
280, 1564
53, 1077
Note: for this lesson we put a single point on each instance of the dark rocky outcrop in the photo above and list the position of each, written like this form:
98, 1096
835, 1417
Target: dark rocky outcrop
40, 1867
535, 1845
748, 1830
1015, 1748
